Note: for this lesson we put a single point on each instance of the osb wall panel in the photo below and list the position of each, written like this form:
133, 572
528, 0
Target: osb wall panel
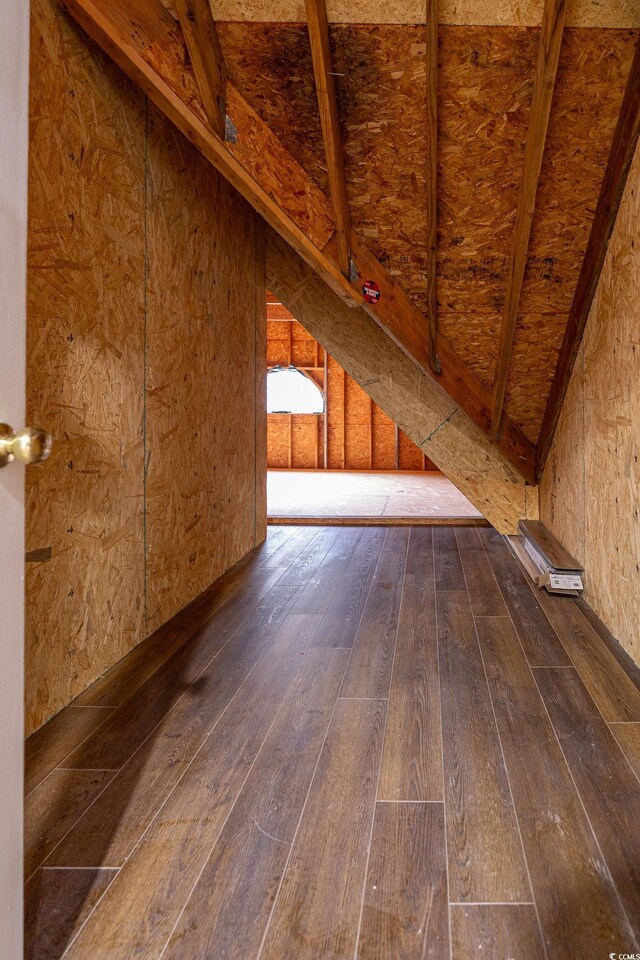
85, 604
516, 13
360, 436
485, 86
599, 464
201, 373
85, 571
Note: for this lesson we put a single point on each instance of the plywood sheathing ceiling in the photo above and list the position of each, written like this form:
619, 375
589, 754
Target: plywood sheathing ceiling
512, 13
485, 79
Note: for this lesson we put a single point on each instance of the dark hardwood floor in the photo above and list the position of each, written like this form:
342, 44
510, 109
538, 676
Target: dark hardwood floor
375, 743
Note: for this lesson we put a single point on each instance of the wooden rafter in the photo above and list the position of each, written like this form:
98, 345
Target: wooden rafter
201, 37
318, 25
431, 133
623, 147
549, 44
149, 46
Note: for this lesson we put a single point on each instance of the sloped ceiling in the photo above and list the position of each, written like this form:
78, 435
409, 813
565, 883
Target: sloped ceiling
485, 86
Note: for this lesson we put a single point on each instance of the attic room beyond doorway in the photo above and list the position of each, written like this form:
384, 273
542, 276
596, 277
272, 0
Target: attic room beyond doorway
332, 453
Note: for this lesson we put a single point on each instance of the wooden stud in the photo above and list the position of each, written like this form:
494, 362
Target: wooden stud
325, 418
431, 129
547, 64
326, 93
344, 419
370, 434
621, 155
201, 37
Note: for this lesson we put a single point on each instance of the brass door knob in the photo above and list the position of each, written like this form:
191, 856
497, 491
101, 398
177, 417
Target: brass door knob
30, 445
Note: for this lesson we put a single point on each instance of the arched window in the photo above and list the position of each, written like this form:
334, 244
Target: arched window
289, 390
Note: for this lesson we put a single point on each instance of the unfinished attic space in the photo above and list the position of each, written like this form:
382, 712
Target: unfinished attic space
329, 594
333, 455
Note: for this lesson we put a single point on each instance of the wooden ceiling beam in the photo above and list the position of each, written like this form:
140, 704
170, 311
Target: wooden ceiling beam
201, 37
318, 25
623, 147
431, 134
146, 43
549, 44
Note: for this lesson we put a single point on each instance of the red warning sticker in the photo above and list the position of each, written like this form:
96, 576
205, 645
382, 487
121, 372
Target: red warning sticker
371, 291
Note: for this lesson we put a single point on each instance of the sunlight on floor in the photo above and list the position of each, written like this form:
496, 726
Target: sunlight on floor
339, 493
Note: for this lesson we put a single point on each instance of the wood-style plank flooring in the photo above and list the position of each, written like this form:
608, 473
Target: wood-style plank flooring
374, 743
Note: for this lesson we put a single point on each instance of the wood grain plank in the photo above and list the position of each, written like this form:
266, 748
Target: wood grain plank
292, 548
275, 538
486, 862
301, 570
236, 589
448, 566
228, 911
608, 787
56, 904
111, 827
47, 747
53, 808
628, 737
405, 908
580, 913
540, 641
317, 908
371, 663
129, 725
484, 592
615, 693
341, 622
499, 931
318, 593
139, 910
412, 755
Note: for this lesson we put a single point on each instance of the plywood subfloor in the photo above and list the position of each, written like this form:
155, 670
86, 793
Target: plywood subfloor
376, 743
338, 493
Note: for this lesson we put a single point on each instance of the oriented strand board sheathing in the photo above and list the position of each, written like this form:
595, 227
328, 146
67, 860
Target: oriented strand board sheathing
517, 13
485, 86
201, 370
595, 455
419, 406
86, 372
273, 166
85, 327
592, 74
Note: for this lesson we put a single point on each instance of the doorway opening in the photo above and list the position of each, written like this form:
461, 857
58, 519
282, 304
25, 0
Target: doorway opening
333, 455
